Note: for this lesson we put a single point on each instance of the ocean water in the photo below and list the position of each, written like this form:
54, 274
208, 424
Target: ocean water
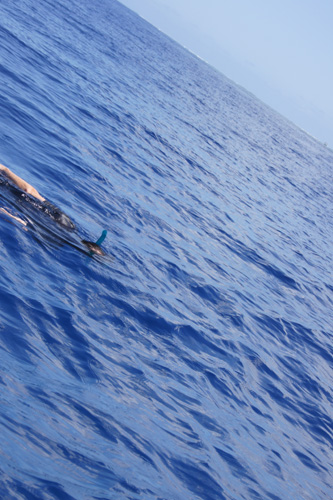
194, 360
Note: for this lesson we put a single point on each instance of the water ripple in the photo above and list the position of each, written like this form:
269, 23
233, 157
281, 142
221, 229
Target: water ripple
194, 360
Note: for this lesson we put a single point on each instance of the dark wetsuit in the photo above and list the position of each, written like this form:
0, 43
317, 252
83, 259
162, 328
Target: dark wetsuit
45, 206
56, 214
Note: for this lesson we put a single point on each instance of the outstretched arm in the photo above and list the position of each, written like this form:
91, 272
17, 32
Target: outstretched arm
3, 210
20, 183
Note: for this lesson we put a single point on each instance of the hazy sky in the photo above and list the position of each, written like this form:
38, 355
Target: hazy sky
280, 50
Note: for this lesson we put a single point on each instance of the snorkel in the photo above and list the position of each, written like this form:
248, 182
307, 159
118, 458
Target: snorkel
95, 247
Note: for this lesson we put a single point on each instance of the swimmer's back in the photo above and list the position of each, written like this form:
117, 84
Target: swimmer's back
58, 215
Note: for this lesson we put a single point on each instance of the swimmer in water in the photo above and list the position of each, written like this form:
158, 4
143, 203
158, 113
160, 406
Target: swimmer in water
54, 212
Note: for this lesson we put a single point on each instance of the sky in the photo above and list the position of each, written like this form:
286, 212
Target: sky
280, 50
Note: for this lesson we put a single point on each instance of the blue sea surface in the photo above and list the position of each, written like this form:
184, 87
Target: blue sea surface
194, 360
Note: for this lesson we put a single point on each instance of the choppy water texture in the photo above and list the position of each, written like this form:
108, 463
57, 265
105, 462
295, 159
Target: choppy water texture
194, 360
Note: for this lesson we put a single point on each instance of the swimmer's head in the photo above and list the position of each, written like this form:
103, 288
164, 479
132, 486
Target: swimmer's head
93, 247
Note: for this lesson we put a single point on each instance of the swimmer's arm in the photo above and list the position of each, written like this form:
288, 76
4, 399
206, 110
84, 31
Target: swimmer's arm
20, 183
13, 216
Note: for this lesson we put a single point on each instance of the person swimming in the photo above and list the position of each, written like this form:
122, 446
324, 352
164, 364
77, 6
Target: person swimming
47, 207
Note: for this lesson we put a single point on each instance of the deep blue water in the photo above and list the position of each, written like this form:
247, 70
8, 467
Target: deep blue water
194, 361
